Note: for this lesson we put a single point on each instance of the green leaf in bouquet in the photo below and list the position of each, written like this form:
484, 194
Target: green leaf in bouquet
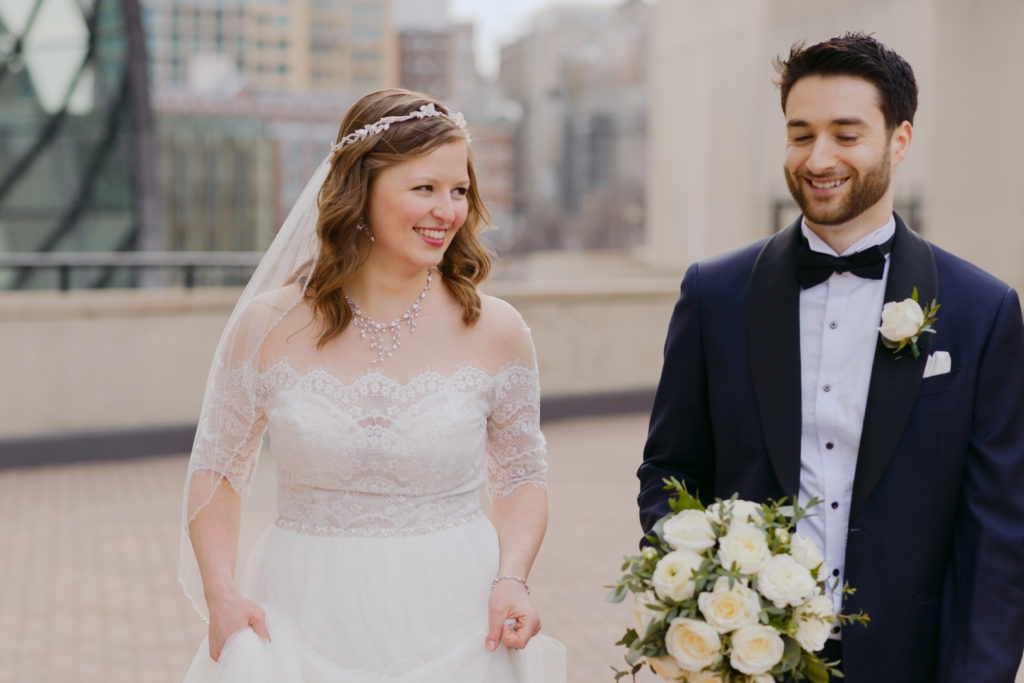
628, 638
634, 655
791, 655
617, 594
630, 672
682, 500
815, 671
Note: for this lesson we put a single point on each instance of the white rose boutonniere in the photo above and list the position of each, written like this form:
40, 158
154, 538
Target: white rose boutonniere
903, 322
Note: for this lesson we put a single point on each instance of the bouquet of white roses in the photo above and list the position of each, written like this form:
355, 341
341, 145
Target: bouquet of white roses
728, 594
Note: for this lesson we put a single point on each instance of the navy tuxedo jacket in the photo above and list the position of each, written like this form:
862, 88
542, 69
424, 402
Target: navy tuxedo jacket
936, 536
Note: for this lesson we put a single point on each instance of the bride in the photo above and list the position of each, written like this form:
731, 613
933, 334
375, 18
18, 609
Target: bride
391, 390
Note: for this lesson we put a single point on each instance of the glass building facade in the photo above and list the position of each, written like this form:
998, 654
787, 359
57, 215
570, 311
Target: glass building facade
74, 127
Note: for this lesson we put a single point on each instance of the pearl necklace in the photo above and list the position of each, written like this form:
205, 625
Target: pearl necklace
367, 326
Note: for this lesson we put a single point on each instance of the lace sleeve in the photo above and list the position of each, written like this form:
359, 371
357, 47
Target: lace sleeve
515, 445
230, 429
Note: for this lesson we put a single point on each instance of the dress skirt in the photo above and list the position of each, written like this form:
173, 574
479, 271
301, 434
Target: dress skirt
405, 609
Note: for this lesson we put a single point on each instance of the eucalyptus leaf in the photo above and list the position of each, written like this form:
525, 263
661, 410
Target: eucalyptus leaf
617, 594
815, 671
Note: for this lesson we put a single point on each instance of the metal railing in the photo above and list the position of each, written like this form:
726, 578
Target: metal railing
188, 263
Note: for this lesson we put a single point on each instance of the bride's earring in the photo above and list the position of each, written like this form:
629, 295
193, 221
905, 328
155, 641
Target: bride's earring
361, 226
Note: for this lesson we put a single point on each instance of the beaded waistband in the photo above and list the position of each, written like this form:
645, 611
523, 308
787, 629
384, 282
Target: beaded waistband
337, 512
324, 530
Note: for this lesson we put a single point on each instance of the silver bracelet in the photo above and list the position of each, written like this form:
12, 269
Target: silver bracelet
511, 578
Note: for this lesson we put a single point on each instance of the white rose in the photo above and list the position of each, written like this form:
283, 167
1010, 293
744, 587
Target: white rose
747, 511
784, 581
645, 616
692, 643
741, 510
727, 609
689, 530
756, 649
901, 320
814, 619
805, 551
746, 545
666, 667
673, 575
704, 677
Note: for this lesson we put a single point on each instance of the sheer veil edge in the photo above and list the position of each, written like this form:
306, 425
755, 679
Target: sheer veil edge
230, 429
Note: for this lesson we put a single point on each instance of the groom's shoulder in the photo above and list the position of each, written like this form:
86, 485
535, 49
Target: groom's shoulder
730, 266
961, 277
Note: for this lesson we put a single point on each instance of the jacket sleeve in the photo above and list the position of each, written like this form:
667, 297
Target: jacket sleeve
679, 440
983, 604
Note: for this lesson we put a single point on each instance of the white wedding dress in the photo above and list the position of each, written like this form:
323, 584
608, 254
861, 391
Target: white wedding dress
379, 565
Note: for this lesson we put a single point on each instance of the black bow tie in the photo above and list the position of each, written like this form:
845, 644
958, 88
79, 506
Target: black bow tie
813, 267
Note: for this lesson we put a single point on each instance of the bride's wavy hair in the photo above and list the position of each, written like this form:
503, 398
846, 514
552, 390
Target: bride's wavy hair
344, 203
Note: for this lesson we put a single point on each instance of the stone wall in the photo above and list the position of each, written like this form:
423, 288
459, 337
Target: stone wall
96, 362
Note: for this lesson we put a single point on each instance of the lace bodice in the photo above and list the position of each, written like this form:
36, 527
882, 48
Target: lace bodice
378, 456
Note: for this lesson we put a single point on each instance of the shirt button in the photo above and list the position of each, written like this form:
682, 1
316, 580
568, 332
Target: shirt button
835, 504
835, 572
833, 325
827, 387
829, 445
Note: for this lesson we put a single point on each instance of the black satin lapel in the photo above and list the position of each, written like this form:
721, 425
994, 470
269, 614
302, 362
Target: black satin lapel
895, 380
773, 347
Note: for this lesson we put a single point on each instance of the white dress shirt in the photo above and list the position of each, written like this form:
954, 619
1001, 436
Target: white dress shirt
839, 321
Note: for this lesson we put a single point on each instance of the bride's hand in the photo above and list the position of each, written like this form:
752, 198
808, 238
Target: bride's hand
513, 619
229, 614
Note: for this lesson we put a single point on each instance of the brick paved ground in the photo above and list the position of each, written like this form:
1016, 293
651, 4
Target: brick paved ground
88, 553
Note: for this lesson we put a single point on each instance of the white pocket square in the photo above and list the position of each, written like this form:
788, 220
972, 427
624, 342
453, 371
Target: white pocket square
938, 363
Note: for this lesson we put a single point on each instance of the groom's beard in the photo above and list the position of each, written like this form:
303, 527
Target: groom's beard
863, 192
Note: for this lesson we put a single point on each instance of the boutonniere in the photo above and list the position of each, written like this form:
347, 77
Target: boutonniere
903, 322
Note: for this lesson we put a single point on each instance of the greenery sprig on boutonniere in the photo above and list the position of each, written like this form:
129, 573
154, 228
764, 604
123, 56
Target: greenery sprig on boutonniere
903, 322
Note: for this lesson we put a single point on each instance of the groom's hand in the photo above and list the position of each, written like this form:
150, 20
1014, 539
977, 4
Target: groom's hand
512, 618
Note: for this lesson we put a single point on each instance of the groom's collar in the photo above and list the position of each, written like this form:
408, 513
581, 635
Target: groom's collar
875, 237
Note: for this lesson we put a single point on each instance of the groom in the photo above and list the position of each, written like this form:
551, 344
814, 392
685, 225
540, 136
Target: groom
775, 383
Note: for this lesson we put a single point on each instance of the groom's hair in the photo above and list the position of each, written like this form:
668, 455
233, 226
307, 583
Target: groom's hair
860, 55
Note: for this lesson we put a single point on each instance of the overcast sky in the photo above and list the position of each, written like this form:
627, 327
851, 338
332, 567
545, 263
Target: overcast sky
500, 21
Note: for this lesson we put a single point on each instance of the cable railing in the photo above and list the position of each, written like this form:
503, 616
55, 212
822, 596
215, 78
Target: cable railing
148, 268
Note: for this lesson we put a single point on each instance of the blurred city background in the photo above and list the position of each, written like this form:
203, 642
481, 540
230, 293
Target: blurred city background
149, 149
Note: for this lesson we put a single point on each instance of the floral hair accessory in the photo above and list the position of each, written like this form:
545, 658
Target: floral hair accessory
426, 111
903, 322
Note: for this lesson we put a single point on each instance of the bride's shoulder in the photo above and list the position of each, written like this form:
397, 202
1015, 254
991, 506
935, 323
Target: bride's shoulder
268, 309
278, 300
503, 326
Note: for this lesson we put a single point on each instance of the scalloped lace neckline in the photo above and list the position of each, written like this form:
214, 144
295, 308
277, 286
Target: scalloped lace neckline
285, 364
